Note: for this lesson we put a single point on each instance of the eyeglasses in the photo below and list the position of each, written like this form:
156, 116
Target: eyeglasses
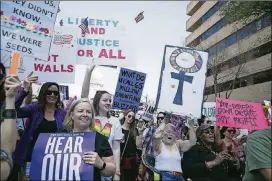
208, 131
160, 118
231, 131
49, 92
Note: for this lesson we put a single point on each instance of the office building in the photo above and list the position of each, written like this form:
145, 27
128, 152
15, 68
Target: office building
238, 51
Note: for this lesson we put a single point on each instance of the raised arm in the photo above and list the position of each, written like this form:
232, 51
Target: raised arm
158, 136
86, 82
187, 144
28, 98
8, 126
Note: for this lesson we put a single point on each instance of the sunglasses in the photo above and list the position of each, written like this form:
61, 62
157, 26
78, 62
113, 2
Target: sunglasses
232, 131
160, 118
208, 131
49, 92
209, 122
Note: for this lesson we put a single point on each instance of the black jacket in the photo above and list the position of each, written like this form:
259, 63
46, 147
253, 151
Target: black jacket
194, 167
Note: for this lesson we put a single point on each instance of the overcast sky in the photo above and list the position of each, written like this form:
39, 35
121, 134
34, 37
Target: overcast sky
164, 24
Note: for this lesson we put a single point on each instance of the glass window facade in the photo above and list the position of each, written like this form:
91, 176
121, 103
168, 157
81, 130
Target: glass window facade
215, 8
243, 33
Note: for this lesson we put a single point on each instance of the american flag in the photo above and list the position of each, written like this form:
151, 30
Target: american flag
84, 27
62, 39
140, 17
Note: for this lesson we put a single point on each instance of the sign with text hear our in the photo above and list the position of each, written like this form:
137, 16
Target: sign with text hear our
58, 156
238, 114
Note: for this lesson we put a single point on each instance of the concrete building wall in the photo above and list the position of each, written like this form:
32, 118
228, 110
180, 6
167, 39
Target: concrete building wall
255, 92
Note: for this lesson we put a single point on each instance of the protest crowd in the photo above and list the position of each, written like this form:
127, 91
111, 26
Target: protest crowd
101, 138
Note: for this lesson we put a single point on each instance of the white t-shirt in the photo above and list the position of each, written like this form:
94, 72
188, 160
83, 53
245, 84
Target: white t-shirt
109, 127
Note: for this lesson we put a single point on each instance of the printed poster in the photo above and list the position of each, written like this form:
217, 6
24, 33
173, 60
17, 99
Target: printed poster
27, 27
64, 92
149, 112
59, 66
239, 114
208, 110
107, 43
58, 156
182, 80
129, 90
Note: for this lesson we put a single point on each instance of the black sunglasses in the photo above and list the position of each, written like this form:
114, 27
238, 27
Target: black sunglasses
49, 92
207, 131
232, 131
160, 118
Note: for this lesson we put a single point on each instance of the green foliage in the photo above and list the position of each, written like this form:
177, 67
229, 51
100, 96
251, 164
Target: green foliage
243, 10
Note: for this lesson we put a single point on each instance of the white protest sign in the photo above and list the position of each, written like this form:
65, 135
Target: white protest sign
182, 80
208, 110
106, 44
27, 27
149, 111
58, 67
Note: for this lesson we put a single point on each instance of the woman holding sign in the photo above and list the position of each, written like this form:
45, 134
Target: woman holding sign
104, 123
44, 117
80, 118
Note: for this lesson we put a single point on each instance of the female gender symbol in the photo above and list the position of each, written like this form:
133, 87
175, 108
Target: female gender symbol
181, 75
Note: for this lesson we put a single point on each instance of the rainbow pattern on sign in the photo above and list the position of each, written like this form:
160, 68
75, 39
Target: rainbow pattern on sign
106, 131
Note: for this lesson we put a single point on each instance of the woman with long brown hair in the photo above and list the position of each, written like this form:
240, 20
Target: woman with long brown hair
128, 147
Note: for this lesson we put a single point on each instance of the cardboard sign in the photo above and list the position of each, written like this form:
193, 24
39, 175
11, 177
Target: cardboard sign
107, 43
14, 63
209, 111
64, 91
58, 156
182, 80
238, 114
59, 66
149, 111
129, 90
27, 27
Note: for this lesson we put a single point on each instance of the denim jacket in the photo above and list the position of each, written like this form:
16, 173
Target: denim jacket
35, 116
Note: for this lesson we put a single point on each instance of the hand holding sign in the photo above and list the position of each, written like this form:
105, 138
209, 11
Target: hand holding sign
12, 84
15, 57
92, 158
29, 80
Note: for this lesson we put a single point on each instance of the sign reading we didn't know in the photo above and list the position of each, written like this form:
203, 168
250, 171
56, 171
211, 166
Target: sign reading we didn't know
238, 114
27, 27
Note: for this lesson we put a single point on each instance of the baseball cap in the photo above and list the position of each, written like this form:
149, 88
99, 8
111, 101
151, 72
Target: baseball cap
202, 128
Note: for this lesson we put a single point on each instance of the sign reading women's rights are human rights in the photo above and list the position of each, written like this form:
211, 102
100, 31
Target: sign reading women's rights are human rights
106, 43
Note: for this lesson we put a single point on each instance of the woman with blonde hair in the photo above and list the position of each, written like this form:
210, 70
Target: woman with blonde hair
80, 118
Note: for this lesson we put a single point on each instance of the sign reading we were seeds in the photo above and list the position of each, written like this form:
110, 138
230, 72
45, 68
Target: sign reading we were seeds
27, 26
238, 114
58, 156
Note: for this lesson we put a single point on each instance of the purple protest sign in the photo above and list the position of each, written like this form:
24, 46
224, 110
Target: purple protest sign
58, 156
